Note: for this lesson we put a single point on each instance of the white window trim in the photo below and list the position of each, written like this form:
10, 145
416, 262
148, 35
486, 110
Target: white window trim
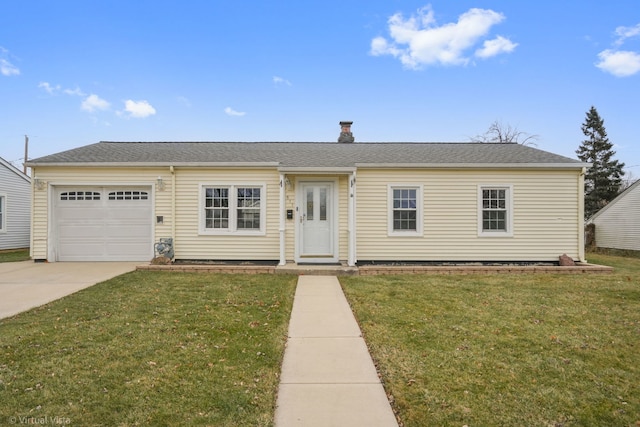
509, 206
233, 209
3, 219
419, 210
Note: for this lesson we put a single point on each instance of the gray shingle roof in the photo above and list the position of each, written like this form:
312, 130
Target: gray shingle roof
306, 154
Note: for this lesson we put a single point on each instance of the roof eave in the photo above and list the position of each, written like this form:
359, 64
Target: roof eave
472, 165
247, 165
312, 169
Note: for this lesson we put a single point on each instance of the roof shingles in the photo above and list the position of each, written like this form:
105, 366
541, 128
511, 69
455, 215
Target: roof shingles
306, 154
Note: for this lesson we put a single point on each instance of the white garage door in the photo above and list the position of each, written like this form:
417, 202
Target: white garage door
103, 224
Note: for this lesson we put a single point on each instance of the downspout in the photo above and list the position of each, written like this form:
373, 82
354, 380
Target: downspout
281, 227
32, 219
352, 257
581, 215
173, 206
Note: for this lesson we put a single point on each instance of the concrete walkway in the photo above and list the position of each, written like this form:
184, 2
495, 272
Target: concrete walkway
27, 284
328, 377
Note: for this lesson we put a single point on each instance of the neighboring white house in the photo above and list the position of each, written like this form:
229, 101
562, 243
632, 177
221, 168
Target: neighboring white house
15, 207
617, 225
308, 202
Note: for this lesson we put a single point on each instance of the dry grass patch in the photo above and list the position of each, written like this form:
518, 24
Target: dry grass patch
545, 350
150, 348
14, 255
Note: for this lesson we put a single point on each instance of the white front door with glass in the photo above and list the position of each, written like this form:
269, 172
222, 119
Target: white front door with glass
316, 242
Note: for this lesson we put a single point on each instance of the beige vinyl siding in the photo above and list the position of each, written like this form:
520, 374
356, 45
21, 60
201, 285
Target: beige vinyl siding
96, 176
545, 209
618, 225
190, 244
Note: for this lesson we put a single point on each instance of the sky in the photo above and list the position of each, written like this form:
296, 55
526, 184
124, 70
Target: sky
73, 73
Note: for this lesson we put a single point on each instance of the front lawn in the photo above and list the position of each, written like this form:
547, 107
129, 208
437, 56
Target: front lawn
535, 350
14, 255
149, 348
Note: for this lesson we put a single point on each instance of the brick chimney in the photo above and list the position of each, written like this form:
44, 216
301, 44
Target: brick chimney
345, 132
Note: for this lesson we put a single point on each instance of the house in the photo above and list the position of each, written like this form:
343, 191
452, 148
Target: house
303, 202
617, 225
15, 207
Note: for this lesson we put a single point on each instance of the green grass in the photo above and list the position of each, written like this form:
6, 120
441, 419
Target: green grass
498, 350
14, 255
150, 348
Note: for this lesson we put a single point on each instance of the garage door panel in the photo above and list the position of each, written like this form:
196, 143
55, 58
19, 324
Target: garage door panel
126, 231
71, 232
87, 251
125, 249
103, 224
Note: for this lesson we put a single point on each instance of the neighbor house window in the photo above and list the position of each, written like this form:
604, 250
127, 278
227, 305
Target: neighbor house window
3, 211
405, 210
233, 209
495, 210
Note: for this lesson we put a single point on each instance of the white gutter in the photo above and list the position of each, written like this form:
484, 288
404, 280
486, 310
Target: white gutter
282, 226
472, 165
317, 170
159, 164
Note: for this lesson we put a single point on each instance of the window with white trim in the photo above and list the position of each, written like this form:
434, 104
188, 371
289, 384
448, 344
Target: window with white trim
495, 210
405, 210
3, 211
233, 209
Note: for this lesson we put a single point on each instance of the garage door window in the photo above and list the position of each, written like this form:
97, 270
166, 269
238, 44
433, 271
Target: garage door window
128, 195
80, 195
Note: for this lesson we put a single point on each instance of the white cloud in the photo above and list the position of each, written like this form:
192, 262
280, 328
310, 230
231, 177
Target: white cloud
619, 63
231, 112
75, 92
93, 102
624, 33
139, 109
53, 90
48, 88
418, 41
496, 46
280, 81
7, 68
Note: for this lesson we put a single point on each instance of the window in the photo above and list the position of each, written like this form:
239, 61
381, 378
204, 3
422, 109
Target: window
405, 210
80, 195
233, 209
3, 211
128, 195
495, 211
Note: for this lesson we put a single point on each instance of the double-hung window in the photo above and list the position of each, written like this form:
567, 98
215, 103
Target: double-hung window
405, 210
233, 209
495, 210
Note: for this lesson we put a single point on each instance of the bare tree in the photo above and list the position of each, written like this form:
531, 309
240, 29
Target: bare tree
505, 134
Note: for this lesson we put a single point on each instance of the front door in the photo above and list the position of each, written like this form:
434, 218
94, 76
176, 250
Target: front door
316, 222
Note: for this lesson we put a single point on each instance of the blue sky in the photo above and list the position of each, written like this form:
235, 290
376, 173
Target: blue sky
77, 72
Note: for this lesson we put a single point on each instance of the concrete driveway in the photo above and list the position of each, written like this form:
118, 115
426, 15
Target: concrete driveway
25, 285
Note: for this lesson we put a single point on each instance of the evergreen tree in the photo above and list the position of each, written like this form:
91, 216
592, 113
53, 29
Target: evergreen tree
603, 179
